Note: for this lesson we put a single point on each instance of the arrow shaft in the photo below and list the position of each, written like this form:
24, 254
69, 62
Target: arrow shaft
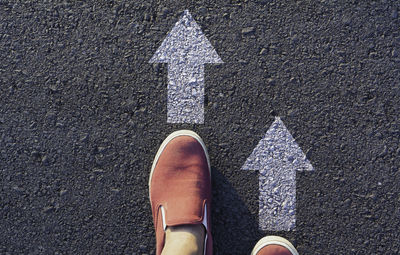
277, 200
185, 93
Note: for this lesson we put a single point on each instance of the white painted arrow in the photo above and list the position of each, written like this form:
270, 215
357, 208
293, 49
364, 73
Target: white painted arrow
277, 157
186, 50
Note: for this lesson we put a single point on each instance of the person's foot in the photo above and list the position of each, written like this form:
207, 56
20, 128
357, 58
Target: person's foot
180, 187
274, 245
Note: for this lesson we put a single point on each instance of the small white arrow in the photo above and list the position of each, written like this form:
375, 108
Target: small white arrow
277, 157
186, 50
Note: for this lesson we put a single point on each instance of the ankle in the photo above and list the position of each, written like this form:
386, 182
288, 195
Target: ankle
187, 239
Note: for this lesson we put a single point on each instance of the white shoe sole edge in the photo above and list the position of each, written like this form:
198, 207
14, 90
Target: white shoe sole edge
274, 240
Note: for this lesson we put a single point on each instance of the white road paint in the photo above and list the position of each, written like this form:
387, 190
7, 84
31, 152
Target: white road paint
185, 50
277, 157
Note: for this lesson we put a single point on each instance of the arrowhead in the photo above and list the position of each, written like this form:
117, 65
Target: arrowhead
186, 43
277, 145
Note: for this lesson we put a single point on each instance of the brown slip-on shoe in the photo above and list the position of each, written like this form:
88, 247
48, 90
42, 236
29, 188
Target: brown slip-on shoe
274, 245
180, 186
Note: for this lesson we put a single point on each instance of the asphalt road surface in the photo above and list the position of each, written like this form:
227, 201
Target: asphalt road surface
82, 113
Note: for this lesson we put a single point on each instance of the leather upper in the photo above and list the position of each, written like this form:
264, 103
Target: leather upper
181, 184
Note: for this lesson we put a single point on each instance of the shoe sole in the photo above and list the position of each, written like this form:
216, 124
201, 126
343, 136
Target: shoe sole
274, 240
168, 139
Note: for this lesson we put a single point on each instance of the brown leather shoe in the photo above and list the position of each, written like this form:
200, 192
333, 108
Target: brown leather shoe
180, 186
274, 245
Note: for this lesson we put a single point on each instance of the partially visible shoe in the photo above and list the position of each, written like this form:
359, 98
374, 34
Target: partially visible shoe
180, 186
274, 245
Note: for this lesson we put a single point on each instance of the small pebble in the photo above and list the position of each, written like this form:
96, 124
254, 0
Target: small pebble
248, 30
63, 192
395, 14
48, 209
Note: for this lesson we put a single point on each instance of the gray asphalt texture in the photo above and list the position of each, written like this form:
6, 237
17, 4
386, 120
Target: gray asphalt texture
83, 113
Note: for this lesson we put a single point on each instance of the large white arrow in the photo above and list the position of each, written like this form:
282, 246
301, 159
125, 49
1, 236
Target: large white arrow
277, 157
186, 50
